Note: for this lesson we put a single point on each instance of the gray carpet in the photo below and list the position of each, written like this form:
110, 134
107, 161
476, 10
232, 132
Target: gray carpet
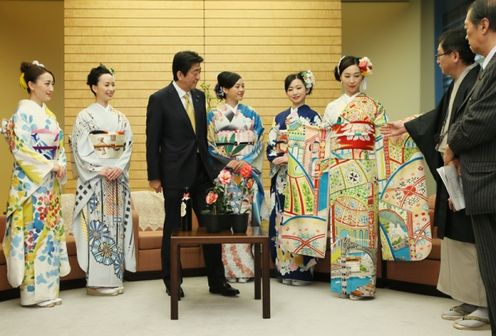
144, 310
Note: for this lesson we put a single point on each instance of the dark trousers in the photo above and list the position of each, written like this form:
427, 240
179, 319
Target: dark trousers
212, 253
485, 244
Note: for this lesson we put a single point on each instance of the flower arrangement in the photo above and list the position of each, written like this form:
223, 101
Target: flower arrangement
365, 66
231, 191
308, 78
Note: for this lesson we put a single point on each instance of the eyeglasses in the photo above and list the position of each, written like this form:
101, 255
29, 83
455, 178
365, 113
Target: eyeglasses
442, 54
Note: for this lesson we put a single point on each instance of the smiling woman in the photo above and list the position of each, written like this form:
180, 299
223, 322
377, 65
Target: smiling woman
101, 145
34, 243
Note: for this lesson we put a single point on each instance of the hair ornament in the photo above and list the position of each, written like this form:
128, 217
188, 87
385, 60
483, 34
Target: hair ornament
308, 79
35, 62
22, 81
219, 91
365, 66
339, 64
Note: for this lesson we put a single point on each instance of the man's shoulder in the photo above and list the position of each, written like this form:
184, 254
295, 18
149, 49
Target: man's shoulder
198, 93
165, 91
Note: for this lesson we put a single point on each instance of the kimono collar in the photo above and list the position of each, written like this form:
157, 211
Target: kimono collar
28, 103
99, 106
229, 108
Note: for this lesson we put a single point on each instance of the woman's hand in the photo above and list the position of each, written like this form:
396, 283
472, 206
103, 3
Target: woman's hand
111, 173
235, 165
280, 160
59, 171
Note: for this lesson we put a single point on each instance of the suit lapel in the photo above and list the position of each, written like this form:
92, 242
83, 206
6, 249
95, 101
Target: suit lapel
198, 108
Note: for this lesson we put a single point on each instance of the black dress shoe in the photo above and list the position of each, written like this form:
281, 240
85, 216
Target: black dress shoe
224, 289
181, 292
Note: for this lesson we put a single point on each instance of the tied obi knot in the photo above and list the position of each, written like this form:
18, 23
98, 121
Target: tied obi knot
353, 135
108, 145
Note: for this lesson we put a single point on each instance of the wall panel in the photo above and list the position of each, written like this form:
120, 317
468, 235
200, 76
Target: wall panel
262, 40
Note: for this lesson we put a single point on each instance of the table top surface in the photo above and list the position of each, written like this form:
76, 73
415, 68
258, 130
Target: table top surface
200, 233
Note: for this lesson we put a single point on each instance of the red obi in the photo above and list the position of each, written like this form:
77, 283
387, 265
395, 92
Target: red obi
353, 135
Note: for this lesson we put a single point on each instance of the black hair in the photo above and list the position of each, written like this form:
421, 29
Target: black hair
32, 71
345, 62
225, 80
480, 9
183, 61
454, 40
95, 73
290, 78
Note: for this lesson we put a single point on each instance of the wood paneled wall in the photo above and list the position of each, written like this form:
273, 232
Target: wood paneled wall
263, 40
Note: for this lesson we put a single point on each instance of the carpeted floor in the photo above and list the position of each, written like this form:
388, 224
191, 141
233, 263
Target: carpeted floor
144, 310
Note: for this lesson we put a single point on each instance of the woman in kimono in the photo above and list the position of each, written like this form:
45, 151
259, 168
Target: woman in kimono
102, 224
293, 269
34, 242
235, 136
354, 119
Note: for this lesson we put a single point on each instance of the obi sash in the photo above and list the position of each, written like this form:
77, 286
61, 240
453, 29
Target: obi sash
108, 145
45, 142
353, 135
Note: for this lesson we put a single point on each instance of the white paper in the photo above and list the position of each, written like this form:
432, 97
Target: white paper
453, 184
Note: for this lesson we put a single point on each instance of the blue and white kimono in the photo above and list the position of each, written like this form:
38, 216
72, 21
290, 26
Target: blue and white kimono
102, 221
236, 133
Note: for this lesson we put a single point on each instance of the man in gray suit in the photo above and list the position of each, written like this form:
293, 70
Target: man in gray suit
472, 145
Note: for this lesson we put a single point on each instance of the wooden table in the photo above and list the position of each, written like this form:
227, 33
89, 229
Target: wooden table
253, 236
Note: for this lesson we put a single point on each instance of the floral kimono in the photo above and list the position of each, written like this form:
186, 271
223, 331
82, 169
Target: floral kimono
34, 242
371, 180
102, 222
290, 266
237, 133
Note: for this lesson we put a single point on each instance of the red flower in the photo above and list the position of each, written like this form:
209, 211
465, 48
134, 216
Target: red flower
211, 198
245, 170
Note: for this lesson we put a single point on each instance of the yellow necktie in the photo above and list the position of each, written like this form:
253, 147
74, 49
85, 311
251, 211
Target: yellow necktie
189, 110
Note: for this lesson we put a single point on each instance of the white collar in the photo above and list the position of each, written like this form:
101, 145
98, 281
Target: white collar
233, 109
488, 58
465, 72
180, 91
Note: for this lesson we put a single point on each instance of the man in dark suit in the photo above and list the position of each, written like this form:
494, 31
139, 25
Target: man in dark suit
178, 159
472, 145
459, 275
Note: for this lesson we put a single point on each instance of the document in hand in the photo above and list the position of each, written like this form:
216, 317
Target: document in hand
453, 184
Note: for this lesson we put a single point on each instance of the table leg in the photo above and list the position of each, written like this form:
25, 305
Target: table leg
266, 279
258, 273
174, 309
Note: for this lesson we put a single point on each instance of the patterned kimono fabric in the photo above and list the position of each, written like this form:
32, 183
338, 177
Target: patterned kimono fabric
365, 185
102, 222
356, 169
34, 242
237, 133
292, 268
